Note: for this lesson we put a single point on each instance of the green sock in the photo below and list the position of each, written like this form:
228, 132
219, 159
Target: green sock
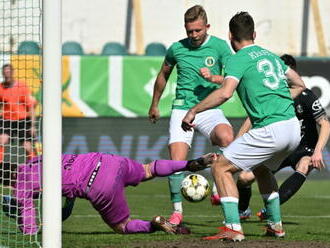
230, 210
174, 182
273, 210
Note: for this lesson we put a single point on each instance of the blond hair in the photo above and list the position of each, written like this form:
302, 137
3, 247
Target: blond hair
194, 13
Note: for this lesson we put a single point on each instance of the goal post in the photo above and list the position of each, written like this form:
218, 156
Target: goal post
52, 124
30, 123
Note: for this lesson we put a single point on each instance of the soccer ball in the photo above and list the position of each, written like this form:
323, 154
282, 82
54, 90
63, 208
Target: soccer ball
195, 188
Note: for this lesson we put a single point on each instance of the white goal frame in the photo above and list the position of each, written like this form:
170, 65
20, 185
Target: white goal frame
52, 123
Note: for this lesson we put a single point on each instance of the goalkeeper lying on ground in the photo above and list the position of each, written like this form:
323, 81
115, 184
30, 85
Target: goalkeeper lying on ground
100, 178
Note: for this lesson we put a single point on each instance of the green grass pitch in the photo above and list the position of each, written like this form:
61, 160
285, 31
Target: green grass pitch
301, 215
306, 218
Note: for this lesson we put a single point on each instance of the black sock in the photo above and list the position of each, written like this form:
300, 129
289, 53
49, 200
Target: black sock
244, 197
291, 186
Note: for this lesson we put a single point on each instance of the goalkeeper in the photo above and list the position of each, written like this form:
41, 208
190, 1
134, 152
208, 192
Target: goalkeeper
100, 178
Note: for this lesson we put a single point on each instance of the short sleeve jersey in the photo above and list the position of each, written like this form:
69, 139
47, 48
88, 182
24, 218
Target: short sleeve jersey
308, 110
16, 101
191, 86
262, 87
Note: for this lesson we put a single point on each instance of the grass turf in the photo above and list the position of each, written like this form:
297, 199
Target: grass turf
306, 218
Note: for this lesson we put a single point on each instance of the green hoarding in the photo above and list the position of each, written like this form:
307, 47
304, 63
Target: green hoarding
101, 86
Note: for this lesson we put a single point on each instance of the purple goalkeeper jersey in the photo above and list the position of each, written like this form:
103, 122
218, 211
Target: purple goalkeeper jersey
76, 170
99, 177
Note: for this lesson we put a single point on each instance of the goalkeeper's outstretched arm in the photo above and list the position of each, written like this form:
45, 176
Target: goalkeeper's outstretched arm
67, 208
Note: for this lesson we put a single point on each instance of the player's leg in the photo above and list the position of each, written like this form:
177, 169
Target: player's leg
108, 198
293, 183
5, 167
179, 145
107, 193
286, 137
246, 152
244, 181
26, 189
222, 170
214, 125
217, 129
269, 191
25, 137
163, 168
178, 151
4, 139
5, 132
116, 215
222, 135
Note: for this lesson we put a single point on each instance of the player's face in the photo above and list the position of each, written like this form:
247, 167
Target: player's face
7, 72
197, 32
232, 43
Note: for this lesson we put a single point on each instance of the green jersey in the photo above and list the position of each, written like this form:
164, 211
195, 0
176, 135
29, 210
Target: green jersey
262, 87
191, 86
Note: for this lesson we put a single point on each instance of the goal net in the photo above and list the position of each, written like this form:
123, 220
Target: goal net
20, 118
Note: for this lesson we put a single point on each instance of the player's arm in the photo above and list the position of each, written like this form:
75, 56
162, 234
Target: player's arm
30, 103
31, 109
67, 208
324, 132
246, 126
159, 87
206, 74
216, 98
297, 85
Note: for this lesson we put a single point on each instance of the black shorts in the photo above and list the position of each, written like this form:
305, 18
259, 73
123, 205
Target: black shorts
293, 158
20, 129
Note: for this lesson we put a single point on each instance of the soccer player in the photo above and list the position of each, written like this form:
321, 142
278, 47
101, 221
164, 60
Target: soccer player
190, 55
100, 178
17, 114
259, 76
308, 154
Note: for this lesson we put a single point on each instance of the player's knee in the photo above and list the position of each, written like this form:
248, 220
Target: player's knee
223, 141
222, 136
245, 178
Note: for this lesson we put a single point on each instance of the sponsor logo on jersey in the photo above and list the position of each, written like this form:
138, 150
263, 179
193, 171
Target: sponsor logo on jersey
317, 107
209, 61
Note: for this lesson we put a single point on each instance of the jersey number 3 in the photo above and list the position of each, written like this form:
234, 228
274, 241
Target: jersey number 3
273, 75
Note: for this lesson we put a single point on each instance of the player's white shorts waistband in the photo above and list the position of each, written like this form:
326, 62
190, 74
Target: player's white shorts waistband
204, 122
268, 145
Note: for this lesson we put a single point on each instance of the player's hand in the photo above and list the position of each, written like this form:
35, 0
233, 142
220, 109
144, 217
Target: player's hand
317, 160
187, 122
206, 73
154, 114
33, 131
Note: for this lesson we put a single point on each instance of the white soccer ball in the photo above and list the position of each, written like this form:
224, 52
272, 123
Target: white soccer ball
195, 188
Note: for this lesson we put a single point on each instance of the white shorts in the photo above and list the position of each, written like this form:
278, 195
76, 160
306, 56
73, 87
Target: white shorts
268, 145
204, 122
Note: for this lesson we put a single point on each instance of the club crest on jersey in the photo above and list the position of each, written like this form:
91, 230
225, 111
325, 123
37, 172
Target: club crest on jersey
209, 61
